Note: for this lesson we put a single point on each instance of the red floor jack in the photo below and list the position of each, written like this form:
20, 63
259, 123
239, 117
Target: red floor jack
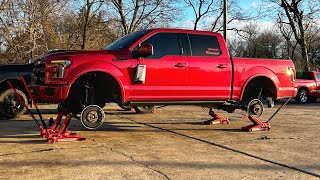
53, 134
255, 109
259, 125
216, 118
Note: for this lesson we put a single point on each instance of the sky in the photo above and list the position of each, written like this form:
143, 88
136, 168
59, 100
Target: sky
265, 22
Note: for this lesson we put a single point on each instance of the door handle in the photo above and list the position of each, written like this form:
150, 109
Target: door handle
222, 66
180, 65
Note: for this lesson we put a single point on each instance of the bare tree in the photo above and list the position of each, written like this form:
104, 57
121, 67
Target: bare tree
210, 12
313, 39
201, 8
30, 27
2, 5
297, 14
90, 10
290, 46
257, 43
23, 29
141, 14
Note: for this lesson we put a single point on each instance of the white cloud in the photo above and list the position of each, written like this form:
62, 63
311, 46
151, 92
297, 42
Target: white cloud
254, 4
187, 24
235, 24
240, 24
259, 4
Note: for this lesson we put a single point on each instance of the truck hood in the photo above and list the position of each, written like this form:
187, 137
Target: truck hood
16, 68
72, 54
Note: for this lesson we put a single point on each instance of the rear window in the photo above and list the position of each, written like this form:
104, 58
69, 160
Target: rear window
304, 75
204, 45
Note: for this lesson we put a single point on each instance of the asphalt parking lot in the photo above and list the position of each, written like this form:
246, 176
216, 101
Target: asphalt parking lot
172, 143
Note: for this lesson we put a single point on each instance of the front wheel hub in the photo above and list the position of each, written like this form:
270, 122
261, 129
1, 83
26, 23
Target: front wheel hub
92, 117
255, 108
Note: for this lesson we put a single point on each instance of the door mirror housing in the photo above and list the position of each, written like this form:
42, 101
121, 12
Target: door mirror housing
144, 51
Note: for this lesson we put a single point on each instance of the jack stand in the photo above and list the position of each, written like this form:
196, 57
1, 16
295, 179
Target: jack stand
216, 119
62, 135
54, 130
52, 134
259, 125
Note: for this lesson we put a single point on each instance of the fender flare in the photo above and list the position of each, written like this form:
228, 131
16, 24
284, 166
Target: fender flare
10, 77
3, 79
263, 72
304, 87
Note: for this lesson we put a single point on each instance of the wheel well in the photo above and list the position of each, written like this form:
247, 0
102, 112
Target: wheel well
110, 89
303, 88
257, 84
93, 88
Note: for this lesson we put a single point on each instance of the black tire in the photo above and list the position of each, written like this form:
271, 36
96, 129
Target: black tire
302, 96
10, 106
144, 109
127, 108
313, 99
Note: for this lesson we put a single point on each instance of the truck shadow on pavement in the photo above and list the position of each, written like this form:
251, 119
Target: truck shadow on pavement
26, 131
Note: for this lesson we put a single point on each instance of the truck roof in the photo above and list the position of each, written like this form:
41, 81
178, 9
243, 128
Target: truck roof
184, 31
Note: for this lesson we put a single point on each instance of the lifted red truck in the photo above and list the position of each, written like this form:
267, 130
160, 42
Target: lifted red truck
308, 85
161, 67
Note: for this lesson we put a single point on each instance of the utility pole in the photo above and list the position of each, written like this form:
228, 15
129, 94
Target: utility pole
225, 19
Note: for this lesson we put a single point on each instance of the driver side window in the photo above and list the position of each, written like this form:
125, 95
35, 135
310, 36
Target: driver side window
164, 44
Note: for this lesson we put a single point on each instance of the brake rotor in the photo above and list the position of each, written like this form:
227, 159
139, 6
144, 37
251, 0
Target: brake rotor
92, 117
255, 108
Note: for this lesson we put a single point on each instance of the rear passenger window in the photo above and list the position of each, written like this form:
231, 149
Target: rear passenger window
164, 44
204, 45
304, 75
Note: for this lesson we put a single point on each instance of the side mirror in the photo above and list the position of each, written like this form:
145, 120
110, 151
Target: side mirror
145, 50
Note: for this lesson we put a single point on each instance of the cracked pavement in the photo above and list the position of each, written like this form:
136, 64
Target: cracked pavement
172, 143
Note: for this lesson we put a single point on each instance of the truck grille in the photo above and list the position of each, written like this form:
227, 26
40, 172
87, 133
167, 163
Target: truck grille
38, 76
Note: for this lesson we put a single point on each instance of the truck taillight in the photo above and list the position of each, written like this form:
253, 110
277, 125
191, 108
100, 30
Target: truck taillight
56, 68
292, 72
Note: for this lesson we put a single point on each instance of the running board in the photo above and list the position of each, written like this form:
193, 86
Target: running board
196, 103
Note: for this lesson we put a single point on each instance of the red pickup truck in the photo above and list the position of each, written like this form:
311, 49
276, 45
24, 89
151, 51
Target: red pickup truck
308, 85
161, 67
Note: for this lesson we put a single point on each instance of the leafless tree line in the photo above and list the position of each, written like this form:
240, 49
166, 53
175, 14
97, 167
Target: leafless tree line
30, 27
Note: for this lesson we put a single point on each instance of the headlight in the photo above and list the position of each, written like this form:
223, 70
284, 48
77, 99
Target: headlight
56, 68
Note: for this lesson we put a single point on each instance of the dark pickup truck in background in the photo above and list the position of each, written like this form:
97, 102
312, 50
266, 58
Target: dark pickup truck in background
10, 106
308, 85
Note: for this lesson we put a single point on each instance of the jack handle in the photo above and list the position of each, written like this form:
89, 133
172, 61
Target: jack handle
278, 109
24, 104
34, 103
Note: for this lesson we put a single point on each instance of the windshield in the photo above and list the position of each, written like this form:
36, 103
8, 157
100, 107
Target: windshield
126, 41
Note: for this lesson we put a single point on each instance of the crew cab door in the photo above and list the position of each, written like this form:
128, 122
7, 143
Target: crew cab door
210, 68
166, 70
